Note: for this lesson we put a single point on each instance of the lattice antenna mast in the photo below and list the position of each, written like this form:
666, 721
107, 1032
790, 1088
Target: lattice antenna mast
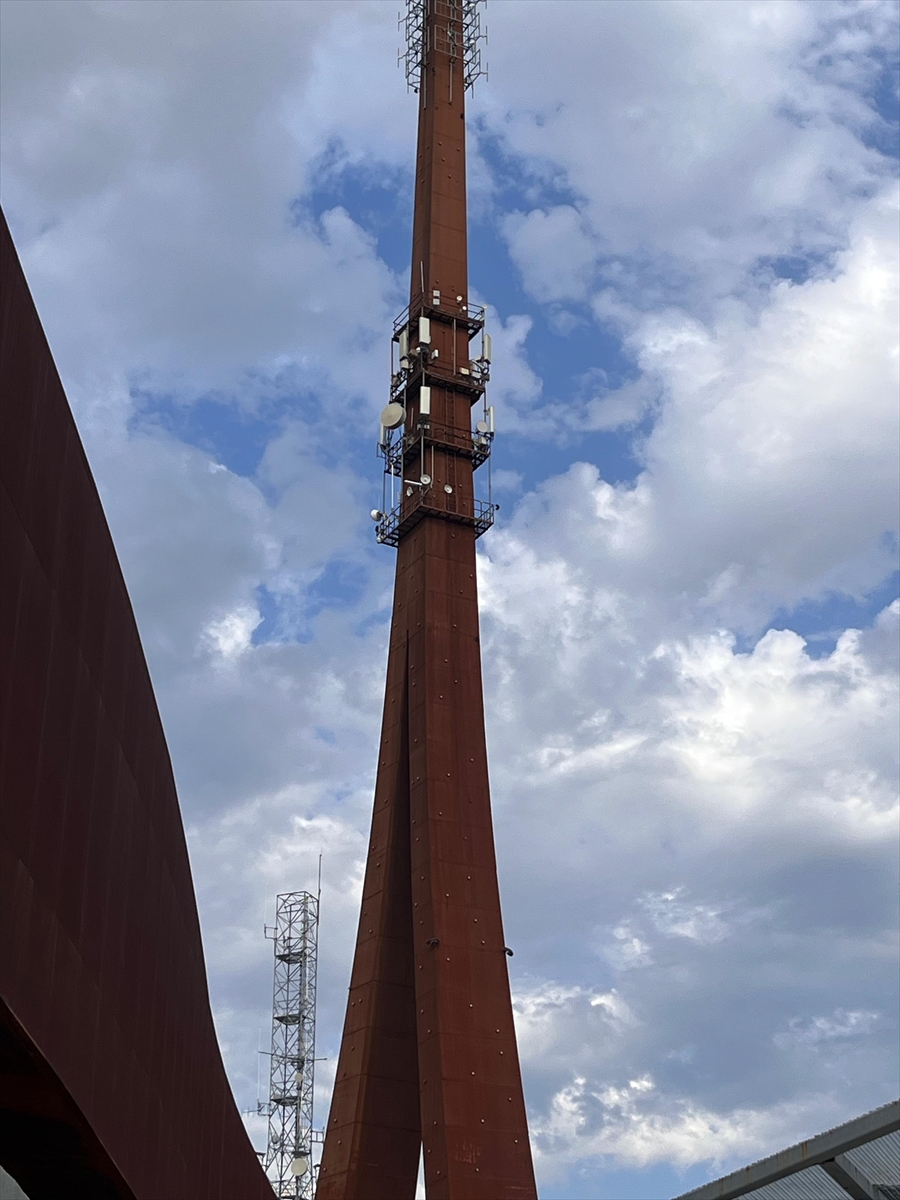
458, 32
290, 1108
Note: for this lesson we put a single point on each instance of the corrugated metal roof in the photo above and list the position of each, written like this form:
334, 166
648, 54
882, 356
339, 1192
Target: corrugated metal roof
811, 1183
859, 1159
879, 1160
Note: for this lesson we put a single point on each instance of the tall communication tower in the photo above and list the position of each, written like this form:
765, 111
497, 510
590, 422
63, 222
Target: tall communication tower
290, 1107
428, 1062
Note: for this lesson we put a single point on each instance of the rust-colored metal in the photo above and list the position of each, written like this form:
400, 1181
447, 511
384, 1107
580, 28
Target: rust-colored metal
111, 1082
428, 1058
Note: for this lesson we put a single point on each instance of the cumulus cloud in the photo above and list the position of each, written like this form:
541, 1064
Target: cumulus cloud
768, 779
231, 635
694, 149
152, 164
673, 916
515, 388
553, 250
627, 1125
765, 418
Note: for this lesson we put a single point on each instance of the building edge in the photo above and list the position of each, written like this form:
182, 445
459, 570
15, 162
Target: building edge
108, 1052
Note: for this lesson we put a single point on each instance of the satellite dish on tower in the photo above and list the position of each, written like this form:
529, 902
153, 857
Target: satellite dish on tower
393, 415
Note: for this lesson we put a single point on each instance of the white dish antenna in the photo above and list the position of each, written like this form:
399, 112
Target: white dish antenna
393, 415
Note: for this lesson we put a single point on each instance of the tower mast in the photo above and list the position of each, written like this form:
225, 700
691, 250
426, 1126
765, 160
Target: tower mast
292, 1060
428, 1059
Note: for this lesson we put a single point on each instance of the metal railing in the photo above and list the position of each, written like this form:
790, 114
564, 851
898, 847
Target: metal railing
473, 444
406, 516
471, 315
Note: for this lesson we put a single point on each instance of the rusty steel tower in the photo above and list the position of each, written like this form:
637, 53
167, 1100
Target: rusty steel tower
428, 1060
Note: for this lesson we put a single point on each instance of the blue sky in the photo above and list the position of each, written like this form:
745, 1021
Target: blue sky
683, 221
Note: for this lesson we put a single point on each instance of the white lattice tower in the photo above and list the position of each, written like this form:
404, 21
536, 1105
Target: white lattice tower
290, 1108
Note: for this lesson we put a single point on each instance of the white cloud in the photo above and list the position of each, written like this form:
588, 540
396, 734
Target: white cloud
151, 162
764, 420
553, 251
626, 1124
515, 388
694, 147
841, 1024
773, 418
627, 950
675, 918
230, 635
768, 778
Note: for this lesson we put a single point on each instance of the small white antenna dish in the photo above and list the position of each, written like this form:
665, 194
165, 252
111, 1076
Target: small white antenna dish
393, 415
482, 426
425, 480
376, 514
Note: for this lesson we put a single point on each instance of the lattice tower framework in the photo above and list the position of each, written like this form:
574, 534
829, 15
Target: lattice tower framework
290, 1138
458, 33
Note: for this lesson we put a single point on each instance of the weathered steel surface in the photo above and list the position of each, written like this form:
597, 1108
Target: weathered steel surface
428, 1058
112, 1081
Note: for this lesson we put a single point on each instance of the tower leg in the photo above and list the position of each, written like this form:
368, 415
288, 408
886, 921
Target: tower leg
373, 1136
429, 1054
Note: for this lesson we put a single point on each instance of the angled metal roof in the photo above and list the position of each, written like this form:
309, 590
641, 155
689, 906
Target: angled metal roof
859, 1159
